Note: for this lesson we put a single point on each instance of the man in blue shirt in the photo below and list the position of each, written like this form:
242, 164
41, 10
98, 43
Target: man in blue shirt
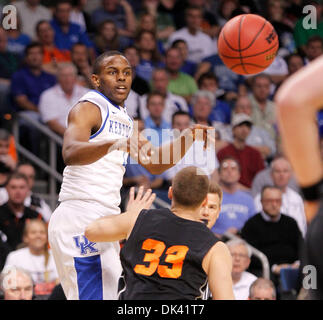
157, 130
237, 205
27, 84
66, 32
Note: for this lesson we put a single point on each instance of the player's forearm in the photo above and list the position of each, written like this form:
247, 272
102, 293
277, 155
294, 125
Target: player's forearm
297, 119
167, 155
83, 153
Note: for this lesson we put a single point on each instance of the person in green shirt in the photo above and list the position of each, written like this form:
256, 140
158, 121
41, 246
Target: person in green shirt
180, 83
304, 28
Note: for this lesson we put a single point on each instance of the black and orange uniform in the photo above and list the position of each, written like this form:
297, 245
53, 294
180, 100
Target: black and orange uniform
162, 258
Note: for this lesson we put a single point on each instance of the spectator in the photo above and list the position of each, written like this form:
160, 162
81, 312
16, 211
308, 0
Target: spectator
14, 214
36, 258
201, 104
263, 110
52, 55
120, 12
30, 13
242, 279
56, 102
17, 41
313, 48
173, 102
4, 251
155, 126
139, 85
292, 203
81, 59
250, 159
264, 177
7, 161
232, 83
205, 159
147, 22
210, 213
277, 17
163, 22
226, 10
294, 62
209, 23
188, 67
274, 234
221, 110
258, 138
302, 31
9, 63
66, 32
148, 53
27, 84
16, 284
200, 44
262, 289
80, 16
237, 205
180, 83
107, 37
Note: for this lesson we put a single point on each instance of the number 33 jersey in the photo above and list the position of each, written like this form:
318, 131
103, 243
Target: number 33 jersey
162, 258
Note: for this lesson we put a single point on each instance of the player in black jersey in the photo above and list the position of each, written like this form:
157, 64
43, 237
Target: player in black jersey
298, 100
169, 254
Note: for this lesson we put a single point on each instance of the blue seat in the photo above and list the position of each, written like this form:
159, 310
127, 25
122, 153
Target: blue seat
289, 279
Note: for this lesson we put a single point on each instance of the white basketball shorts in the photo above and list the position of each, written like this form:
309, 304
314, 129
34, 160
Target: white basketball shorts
87, 270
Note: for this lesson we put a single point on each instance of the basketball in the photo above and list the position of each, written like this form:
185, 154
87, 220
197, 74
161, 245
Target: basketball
248, 44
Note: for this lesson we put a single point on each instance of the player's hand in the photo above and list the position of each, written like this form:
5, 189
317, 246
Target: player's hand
203, 133
143, 200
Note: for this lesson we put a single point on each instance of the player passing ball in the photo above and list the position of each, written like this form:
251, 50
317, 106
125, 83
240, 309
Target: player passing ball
95, 148
298, 100
169, 253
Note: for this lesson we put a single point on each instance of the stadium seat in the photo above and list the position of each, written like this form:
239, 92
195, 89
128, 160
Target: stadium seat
289, 282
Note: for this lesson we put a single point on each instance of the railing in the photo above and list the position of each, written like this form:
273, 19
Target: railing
49, 168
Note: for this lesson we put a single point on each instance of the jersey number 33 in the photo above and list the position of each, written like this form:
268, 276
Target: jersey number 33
175, 256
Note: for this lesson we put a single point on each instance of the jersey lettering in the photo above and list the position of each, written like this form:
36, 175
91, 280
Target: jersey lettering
175, 255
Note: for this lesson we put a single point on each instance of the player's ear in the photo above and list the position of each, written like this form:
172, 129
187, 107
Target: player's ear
95, 80
170, 193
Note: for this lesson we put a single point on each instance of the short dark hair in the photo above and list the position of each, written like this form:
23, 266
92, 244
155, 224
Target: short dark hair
180, 113
176, 42
16, 175
99, 60
315, 38
265, 187
215, 189
206, 75
154, 93
33, 45
190, 187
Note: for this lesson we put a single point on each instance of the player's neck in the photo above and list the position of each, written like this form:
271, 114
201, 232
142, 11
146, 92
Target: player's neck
185, 213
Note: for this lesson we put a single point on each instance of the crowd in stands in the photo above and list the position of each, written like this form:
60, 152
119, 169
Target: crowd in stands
178, 79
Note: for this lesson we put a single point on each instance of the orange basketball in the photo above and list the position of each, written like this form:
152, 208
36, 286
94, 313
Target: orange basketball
248, 44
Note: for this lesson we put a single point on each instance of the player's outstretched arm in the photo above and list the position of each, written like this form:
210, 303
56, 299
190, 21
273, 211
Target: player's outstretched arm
83, 119
217, 264
298, 100
158, 159
119, 227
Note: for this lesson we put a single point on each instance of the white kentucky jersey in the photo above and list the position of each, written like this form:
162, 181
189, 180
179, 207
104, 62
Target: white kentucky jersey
100, 181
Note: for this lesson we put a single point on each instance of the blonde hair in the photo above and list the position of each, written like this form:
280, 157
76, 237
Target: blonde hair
46, 252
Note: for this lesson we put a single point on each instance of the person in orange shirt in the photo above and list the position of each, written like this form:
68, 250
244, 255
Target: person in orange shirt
52, 55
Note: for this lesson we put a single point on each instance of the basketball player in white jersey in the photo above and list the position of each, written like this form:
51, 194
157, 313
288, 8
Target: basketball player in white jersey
95, 153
